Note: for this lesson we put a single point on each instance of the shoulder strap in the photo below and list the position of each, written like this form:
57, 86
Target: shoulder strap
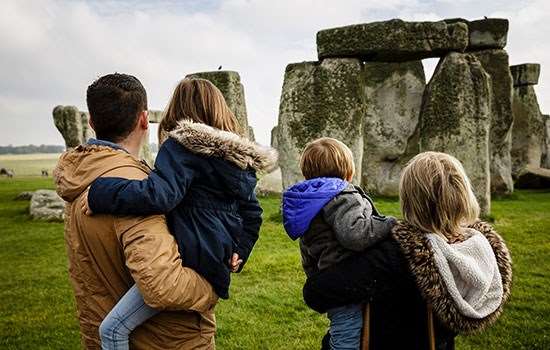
431, 330
366, 328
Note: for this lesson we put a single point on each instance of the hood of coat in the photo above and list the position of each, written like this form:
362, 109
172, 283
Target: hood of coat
303, 201
466, 283
78, 168
210, 142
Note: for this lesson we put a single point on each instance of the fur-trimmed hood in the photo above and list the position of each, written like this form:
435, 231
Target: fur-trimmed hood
421, 261
207, 141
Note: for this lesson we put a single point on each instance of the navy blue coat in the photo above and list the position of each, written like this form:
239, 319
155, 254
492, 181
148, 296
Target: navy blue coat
204, 180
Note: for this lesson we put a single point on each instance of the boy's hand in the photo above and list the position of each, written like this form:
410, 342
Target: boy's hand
84, 206
235, 262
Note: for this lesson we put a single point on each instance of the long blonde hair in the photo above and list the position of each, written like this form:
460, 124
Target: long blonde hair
436, 195
200, 101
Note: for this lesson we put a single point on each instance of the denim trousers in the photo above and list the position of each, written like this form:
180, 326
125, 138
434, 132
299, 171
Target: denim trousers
128, 313
346, 324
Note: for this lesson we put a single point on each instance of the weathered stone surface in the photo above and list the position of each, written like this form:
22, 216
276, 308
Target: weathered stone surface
392, 41
488, 33
68, 121
527, 131
87, 131
545, 163
46, 205
270, 183
274, 137
24, 196
393, 100
229, 83
525, 74
455, 118
320, 99
495, 63
533, 177
154, 116
251, 135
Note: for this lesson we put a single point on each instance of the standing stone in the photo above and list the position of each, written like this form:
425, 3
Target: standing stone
392, 41
527, 132
320, 99
154, 116
68, 121
393, 100
525, 74
495, 63
46, 205
455, 118
274, 137
229, 83
488, 33
546, 151
87, 131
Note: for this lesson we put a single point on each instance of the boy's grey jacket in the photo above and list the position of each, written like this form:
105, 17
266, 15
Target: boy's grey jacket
349, 223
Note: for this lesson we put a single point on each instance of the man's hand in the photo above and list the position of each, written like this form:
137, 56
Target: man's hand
84, 206
235, 262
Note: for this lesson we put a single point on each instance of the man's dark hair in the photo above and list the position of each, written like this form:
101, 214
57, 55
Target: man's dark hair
114, 102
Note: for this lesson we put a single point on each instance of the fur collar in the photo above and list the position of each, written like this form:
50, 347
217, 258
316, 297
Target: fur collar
210, 142
420, 259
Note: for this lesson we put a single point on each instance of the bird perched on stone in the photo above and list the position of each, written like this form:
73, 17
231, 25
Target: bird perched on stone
220, 68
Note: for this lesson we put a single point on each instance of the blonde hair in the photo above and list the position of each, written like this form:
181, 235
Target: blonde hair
436, 195
200, 101
327, 157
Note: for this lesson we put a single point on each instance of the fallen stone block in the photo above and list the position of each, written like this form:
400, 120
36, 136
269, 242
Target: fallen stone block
46, 205
533, 177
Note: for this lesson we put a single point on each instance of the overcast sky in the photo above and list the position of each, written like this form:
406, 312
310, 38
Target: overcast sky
52, 50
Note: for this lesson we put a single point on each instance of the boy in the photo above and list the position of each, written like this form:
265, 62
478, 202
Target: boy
334, 220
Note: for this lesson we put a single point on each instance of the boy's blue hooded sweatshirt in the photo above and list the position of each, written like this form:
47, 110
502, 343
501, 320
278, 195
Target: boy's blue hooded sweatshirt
204, 182
304, 200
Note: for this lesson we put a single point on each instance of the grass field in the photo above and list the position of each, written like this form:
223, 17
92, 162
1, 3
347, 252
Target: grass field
29, 164
266, 310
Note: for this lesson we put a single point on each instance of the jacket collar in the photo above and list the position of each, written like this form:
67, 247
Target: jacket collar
419, 255
99, 142
207, 141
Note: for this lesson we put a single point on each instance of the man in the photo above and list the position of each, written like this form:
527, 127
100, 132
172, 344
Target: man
108, 254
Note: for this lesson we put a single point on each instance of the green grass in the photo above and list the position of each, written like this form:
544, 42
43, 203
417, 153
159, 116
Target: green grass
29, 164
266, 310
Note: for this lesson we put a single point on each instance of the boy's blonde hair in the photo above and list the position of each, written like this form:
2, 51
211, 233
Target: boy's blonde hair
327, 157
436, 195
200, 101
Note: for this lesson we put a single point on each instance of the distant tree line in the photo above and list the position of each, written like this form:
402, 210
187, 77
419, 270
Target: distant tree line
27, 149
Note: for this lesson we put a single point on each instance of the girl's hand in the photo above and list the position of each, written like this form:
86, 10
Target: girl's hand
235, 262
84, 206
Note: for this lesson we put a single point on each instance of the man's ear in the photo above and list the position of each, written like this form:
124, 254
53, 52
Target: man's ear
144, 120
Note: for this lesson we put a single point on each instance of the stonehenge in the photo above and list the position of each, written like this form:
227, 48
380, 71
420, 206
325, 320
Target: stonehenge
393, 40
467, 109
528, 134
455, 118
75, 129
393, 98
320, 99
74, 126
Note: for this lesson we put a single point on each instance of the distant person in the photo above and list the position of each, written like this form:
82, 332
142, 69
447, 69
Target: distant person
109, 254
443, 272
204, 181
334, 221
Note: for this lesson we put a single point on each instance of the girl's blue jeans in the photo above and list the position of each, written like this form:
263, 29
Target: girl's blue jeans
128, 313
346, 324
